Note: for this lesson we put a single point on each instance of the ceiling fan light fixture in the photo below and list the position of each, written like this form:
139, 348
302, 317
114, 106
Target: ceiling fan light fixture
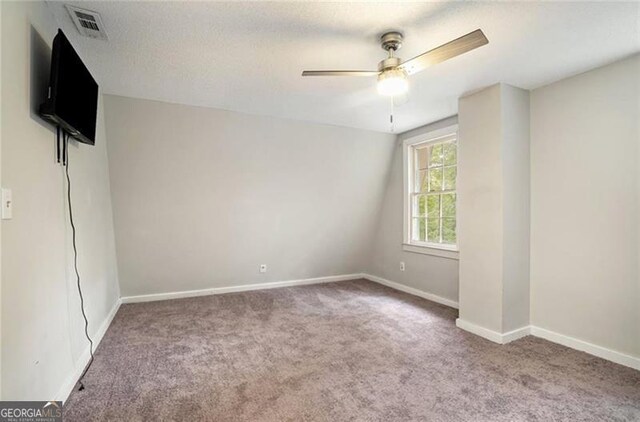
393, 82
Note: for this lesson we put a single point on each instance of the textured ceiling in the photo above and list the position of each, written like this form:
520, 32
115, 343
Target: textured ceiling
248, 56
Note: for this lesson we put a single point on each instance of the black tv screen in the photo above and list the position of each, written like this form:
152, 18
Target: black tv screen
72, 101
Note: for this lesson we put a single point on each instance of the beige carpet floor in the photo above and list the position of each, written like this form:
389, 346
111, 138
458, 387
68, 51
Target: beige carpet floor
347, 351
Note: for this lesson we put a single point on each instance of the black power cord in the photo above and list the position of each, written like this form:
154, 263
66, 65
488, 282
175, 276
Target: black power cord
65, 140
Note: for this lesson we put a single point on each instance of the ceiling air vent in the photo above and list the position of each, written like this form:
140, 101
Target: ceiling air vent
88, 23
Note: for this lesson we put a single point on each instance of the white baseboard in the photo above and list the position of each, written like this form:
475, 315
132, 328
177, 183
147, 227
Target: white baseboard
491, 335
82, 361
516, 334
242, 288
413, 291
571, 342
592, 349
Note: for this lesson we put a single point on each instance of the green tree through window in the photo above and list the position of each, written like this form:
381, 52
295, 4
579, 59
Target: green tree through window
433, 195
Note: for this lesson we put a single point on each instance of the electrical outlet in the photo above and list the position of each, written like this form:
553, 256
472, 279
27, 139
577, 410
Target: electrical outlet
401, 266
263, 268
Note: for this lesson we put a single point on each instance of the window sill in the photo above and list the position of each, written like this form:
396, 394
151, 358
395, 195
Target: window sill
442, 252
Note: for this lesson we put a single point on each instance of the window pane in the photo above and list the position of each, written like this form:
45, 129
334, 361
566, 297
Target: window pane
449, 230
449, 178
432, 211
419, 205
422, 183
435, 184
449, 205
433, 230
433, 205
419, 229
421, 157
450, 153
435, 159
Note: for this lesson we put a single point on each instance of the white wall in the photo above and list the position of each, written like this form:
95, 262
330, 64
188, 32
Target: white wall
428, 273
42, 327
202, 196
585, 139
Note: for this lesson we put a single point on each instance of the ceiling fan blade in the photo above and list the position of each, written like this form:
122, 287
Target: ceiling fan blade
340, 73
446, 51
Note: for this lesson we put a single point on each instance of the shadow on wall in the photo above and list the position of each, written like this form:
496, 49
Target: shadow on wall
39, 76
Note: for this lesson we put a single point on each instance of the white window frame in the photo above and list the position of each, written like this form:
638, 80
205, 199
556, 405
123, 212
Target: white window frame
409, 245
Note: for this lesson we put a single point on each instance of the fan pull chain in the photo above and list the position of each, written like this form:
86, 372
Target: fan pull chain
391, 116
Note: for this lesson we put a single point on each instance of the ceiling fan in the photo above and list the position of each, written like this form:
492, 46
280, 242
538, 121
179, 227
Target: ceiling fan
392, 73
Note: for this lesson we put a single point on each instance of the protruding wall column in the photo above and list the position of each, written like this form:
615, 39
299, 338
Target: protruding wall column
493, 212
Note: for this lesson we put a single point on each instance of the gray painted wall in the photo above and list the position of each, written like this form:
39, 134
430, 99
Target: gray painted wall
202, 196
516, 207
431, 274
493, 208
480, 210
42, 327
585, 142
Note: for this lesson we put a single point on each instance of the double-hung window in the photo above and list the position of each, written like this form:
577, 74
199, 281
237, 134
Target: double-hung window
430, 191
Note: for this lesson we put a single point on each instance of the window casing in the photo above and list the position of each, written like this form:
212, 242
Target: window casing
430, 192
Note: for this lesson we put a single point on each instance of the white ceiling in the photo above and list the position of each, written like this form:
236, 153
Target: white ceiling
248, 56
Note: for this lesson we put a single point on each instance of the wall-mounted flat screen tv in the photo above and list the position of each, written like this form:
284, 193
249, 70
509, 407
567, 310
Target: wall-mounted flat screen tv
72, 102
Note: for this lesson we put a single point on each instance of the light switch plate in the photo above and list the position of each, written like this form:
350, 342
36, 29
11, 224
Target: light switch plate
7, 205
